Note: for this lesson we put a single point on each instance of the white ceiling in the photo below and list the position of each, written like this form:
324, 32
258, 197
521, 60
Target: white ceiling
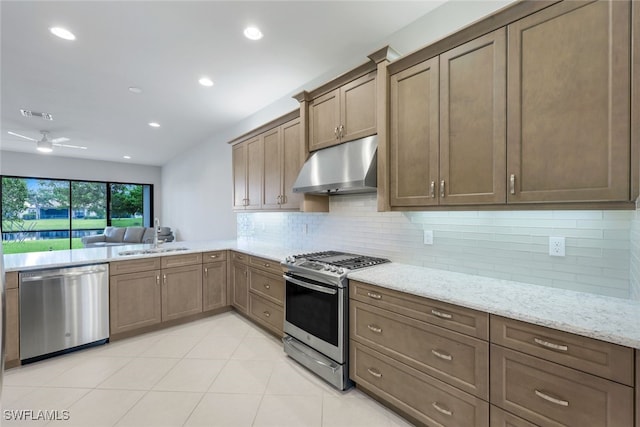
164, 47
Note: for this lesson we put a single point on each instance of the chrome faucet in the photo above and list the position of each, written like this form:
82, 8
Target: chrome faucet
156, 230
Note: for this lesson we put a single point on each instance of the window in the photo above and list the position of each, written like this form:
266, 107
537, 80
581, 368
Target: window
50, 214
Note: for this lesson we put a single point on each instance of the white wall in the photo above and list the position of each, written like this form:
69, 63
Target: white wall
43, 166
510, 245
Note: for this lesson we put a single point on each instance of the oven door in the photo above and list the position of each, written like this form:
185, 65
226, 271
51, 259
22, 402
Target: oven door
315, 315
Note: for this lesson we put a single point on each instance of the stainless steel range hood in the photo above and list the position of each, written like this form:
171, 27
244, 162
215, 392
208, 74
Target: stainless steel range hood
346, 168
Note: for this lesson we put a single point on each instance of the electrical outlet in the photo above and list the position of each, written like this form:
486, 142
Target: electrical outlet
428, 237
556, 246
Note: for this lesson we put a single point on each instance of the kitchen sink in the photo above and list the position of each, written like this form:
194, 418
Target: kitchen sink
151, 251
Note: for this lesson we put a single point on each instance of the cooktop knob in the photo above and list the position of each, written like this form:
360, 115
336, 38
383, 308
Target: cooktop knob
340, 270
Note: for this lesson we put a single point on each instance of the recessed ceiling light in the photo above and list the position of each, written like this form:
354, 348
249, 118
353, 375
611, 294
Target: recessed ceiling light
126, 157
205, 81
154, 124
252, 33
135, 89
63, 33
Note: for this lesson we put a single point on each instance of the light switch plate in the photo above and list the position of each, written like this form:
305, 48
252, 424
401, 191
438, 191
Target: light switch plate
428, 237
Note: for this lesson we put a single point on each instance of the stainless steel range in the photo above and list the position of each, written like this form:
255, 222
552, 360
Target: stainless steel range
317, 311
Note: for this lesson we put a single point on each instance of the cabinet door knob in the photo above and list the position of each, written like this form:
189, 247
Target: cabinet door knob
267, 286
266, 314
512, 184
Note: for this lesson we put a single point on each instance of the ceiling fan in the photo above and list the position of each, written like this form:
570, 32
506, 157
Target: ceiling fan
45, 144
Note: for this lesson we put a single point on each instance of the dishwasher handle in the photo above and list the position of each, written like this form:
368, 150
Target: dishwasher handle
58, 274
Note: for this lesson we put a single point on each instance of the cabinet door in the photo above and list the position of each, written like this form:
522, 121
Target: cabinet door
271, 169
181, 292
324, 119
568, 103
214, 285
255, 154
358, 108
293, 159
239, 286
239, 159
134, 301
473, 122
12, 329
414, 135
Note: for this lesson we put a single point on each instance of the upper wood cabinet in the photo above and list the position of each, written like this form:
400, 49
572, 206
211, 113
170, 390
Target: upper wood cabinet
568, 107
247, 158
344, 114
447, 127
536, 109
283, 158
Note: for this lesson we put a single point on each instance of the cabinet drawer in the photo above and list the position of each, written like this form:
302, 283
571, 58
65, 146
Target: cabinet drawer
269, 286
549, 394
265, 264
456, 318
214, 256
425, 398
181, 260
500, 418
134, 266
239, 257
266, 313
457, 359
596, 357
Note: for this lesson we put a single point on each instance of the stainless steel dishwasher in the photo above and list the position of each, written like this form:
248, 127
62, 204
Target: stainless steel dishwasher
63, 309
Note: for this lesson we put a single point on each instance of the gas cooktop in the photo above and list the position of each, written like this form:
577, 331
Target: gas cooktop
329, 264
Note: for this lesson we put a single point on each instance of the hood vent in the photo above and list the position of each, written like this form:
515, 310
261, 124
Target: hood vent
342, 169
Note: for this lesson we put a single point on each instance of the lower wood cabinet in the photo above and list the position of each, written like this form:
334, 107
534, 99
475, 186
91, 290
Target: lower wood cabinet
549, 394
134, 301
239, 284
266, 313
12, 316
181, 291
500, 418
214, 285
419, 395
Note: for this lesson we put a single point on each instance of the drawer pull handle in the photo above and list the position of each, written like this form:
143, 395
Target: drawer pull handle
267, 265
551, 399
267, 314
442, 356
266, 286
551, 345
441, 314
375, 329
442, 410
213, 256
374, 372
374, 296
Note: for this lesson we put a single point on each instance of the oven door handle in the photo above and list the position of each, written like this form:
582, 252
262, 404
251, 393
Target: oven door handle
310, 286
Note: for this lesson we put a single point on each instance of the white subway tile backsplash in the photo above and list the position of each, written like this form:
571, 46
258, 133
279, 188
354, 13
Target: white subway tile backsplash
602, 247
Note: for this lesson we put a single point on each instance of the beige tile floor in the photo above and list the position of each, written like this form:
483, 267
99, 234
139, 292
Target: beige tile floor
219, 371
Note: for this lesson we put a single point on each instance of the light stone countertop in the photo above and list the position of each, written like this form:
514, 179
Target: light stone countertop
609, 319
614, 320
66, 258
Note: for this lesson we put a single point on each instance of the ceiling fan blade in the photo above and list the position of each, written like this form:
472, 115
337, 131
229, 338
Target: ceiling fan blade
70, 146
61, 139
22, 136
